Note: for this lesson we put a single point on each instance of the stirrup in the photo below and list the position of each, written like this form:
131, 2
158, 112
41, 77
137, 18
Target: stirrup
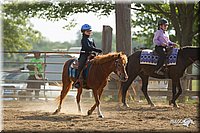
159, 72
77, 85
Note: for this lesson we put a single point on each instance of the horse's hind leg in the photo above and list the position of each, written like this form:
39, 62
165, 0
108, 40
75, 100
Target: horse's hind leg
144, 89
78, 98
66, 87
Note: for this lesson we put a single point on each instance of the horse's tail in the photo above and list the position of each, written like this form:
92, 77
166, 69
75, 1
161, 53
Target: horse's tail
66, 83
64, 92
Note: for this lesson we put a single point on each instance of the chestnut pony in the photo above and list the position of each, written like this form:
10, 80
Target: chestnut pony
100, 68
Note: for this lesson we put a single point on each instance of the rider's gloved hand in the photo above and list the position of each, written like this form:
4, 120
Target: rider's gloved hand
175, 45
99, 50
164, 44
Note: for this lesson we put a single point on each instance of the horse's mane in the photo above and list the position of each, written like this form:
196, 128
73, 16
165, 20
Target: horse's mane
101, 59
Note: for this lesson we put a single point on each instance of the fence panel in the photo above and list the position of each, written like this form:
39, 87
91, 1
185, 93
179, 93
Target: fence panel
52, 83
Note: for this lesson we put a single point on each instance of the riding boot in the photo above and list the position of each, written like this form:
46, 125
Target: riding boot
159, 68
82, 61
162, 57
77, 81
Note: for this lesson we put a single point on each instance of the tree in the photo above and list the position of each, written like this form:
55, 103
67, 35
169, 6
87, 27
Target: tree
97, 36
56, 10
123, 28
46, 45
183, 17
18, 34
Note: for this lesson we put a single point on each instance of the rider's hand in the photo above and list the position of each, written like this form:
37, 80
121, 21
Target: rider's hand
163, 44
175, 45
99, 50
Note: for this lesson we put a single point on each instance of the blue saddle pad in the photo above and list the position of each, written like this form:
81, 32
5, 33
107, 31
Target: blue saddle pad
147, 57
72, 72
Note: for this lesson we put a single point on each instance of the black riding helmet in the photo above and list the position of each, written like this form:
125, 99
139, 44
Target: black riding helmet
162, 21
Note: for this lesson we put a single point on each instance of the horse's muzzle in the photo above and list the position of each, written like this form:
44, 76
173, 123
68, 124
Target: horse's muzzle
123, 78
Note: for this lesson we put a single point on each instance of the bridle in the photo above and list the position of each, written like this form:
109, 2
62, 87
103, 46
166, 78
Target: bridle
116, 65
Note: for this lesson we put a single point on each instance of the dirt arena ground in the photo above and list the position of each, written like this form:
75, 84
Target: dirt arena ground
36, 116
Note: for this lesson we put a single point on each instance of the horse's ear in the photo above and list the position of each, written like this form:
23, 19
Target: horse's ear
119, 55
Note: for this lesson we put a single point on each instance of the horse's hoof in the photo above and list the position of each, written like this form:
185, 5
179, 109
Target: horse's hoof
176, 106
56, 112
89, 112
125, 106
101, 116
80, 112
153, 105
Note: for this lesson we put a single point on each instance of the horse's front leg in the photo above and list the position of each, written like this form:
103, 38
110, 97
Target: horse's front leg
124, 89
97, 95
144, 90
78, 98
100, 115
174, 95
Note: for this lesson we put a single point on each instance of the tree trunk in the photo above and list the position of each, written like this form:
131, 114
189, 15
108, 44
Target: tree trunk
107, 39
123, 28
183, 22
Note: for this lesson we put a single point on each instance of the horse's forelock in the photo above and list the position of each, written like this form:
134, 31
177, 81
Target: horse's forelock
124, 58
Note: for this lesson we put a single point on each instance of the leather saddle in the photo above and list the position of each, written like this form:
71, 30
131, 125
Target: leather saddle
75, 63
168, 51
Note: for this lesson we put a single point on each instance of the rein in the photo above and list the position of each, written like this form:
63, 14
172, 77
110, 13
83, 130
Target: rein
195, 64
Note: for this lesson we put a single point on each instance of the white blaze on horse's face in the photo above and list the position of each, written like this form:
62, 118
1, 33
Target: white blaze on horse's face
120, 70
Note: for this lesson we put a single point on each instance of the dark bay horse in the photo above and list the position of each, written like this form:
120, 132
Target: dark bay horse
186, 56
101, 67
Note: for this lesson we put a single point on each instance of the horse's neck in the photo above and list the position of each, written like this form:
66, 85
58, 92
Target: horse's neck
189, 56
107, 68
